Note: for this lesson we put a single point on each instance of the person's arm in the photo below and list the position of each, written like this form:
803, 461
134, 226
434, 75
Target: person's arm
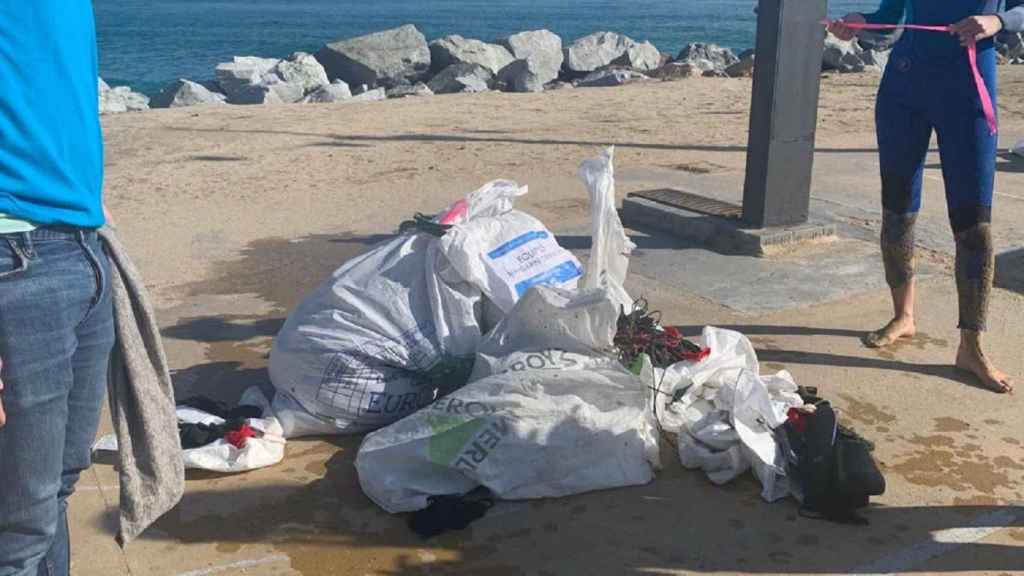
1012, 17
890, 12
977, 28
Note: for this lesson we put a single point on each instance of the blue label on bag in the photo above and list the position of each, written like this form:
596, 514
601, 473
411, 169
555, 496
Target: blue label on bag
563, 273
515, 243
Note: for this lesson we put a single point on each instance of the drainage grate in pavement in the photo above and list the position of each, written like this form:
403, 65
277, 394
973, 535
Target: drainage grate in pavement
692, 202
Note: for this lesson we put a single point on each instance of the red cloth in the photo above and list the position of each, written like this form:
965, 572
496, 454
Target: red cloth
238, 438
697, 357
675, 339
798, 420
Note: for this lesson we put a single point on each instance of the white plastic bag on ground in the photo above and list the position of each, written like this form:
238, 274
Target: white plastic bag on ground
550, 413
262, 451
266, 449
725, 417
382, 337
609, 254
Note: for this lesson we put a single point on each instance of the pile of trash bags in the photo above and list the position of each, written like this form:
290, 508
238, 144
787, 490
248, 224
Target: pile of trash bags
479, 355
397, 328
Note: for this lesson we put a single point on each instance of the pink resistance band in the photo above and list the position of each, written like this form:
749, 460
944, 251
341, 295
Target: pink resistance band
972, 57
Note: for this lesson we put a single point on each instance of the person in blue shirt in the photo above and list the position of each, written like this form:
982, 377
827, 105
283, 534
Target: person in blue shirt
56, 321
929, 87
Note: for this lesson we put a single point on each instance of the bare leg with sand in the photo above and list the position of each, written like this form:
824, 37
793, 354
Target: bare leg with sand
975, 272
898, 257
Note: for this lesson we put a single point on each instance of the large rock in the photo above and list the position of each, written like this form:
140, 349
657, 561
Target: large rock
336, 91
543, 51
389, 58
253, 80
878, 40
108, 105
639, 56
183, 93
595, 51
274, 91
339, 91
270, 90
611, 77
744, 68
242, 72
559, 85
530, 75
419, 89
1010, 45
677, 71
455, 49
842, 55
876, 59
248, 80
708, 57
374, 95
120, 99
462, 78
302, 69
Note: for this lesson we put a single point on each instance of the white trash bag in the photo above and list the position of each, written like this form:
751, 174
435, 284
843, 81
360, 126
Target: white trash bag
396, 328
550, 412
726, 413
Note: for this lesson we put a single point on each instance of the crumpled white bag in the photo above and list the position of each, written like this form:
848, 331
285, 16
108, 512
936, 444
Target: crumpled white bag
725, 418
262, 451
265, 450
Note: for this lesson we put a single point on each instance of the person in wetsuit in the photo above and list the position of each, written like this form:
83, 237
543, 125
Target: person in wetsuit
929, 86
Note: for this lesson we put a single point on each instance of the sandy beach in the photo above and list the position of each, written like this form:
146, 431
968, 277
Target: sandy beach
234, 213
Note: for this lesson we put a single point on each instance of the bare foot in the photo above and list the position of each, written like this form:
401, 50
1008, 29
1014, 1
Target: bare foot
899, 328
973, 360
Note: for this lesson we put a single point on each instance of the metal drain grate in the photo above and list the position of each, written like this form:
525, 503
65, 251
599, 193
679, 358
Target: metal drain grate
692, 202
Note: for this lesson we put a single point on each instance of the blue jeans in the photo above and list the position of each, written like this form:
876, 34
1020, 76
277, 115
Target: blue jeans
56, 334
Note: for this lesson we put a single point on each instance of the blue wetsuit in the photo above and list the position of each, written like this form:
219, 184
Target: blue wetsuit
929, 86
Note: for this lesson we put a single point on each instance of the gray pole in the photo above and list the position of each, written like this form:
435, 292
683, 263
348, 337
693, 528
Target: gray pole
784, 112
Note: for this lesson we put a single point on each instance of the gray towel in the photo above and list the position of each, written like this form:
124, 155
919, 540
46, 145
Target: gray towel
141, 396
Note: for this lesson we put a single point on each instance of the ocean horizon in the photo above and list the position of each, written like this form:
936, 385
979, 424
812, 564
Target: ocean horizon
146, 44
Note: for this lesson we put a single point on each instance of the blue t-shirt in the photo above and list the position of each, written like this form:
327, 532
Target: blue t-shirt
51, 146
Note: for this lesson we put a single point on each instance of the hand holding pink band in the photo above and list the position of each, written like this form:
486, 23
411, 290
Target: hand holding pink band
972, 57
